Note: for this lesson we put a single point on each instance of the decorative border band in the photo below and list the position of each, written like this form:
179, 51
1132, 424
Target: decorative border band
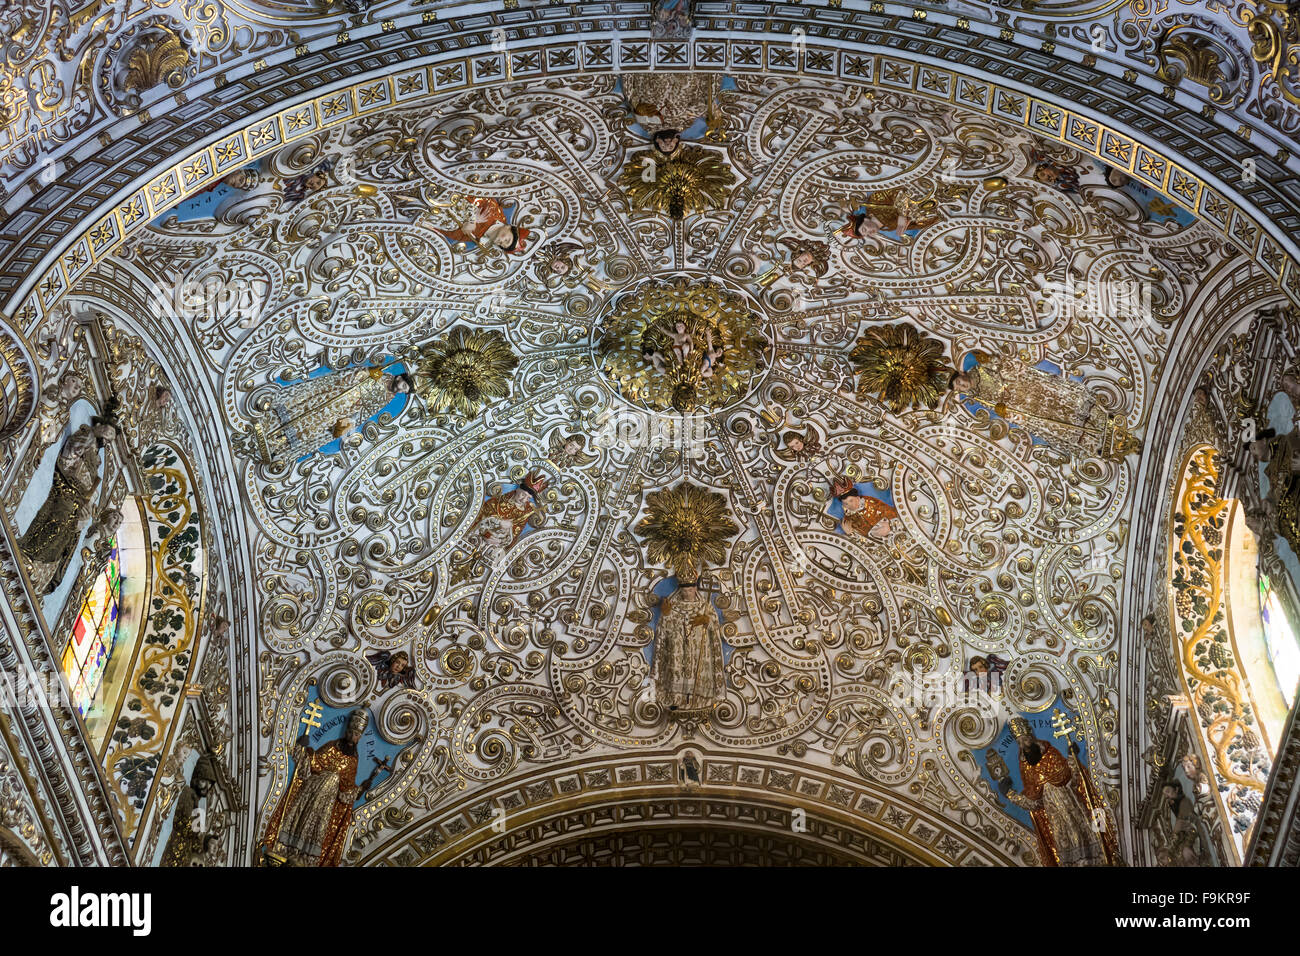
736, 56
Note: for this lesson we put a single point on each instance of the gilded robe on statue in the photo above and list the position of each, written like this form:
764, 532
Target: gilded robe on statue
688, 674
503, 517
1053, 408
1060, 799
305, 417
863, 515
893, 209
1282, 453
310, 824
500, 521
51, 539
481, 221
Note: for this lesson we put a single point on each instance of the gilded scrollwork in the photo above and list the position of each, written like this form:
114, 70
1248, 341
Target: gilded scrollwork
547, 551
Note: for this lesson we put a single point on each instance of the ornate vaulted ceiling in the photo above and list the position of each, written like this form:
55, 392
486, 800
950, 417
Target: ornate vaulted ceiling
720, 496
570, 454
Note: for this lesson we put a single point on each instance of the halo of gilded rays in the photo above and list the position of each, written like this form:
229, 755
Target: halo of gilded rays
691, 180
901, 367
638, 351
465, 370
686, 528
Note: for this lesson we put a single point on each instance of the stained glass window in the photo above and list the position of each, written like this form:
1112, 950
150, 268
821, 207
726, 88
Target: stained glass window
1283, 650
93, 635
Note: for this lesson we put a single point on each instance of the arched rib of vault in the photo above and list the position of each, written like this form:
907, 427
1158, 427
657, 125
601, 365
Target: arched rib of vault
247, 47
121, 292
35, 273
737, 791
1222, 305
19, 380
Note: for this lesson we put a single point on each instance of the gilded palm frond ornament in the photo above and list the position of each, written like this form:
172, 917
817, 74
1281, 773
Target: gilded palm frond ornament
691, 180
154, 52
686, 527
160, 56
465, 370
900, 367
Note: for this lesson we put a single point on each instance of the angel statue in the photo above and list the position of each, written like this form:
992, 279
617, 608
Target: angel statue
568, 451
555, 262
392, 669
481, 221
810, 259
559, 264
893, 210
1053, 408
51, 539
984, 674
801, 446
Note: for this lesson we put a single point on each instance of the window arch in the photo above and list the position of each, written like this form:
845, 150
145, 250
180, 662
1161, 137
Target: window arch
1237, 654
1280, 640
154, 678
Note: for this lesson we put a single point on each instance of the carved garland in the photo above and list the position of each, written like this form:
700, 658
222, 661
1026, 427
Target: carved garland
163, 663
1211, 674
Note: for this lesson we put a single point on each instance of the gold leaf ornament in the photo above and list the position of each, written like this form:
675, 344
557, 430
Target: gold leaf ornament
687, 527
901, 367
691, 180
159, 56
465, 370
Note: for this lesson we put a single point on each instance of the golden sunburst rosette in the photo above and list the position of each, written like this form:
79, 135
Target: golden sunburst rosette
691, 180
901, 367
686, 527
465, 370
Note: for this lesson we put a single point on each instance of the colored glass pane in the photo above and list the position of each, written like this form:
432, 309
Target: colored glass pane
1283, 648
93, 635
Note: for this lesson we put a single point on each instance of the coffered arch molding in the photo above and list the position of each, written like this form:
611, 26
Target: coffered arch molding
122, 295
1226, 305
682, 843
610, 825
948, 64
285, 34
737, 793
